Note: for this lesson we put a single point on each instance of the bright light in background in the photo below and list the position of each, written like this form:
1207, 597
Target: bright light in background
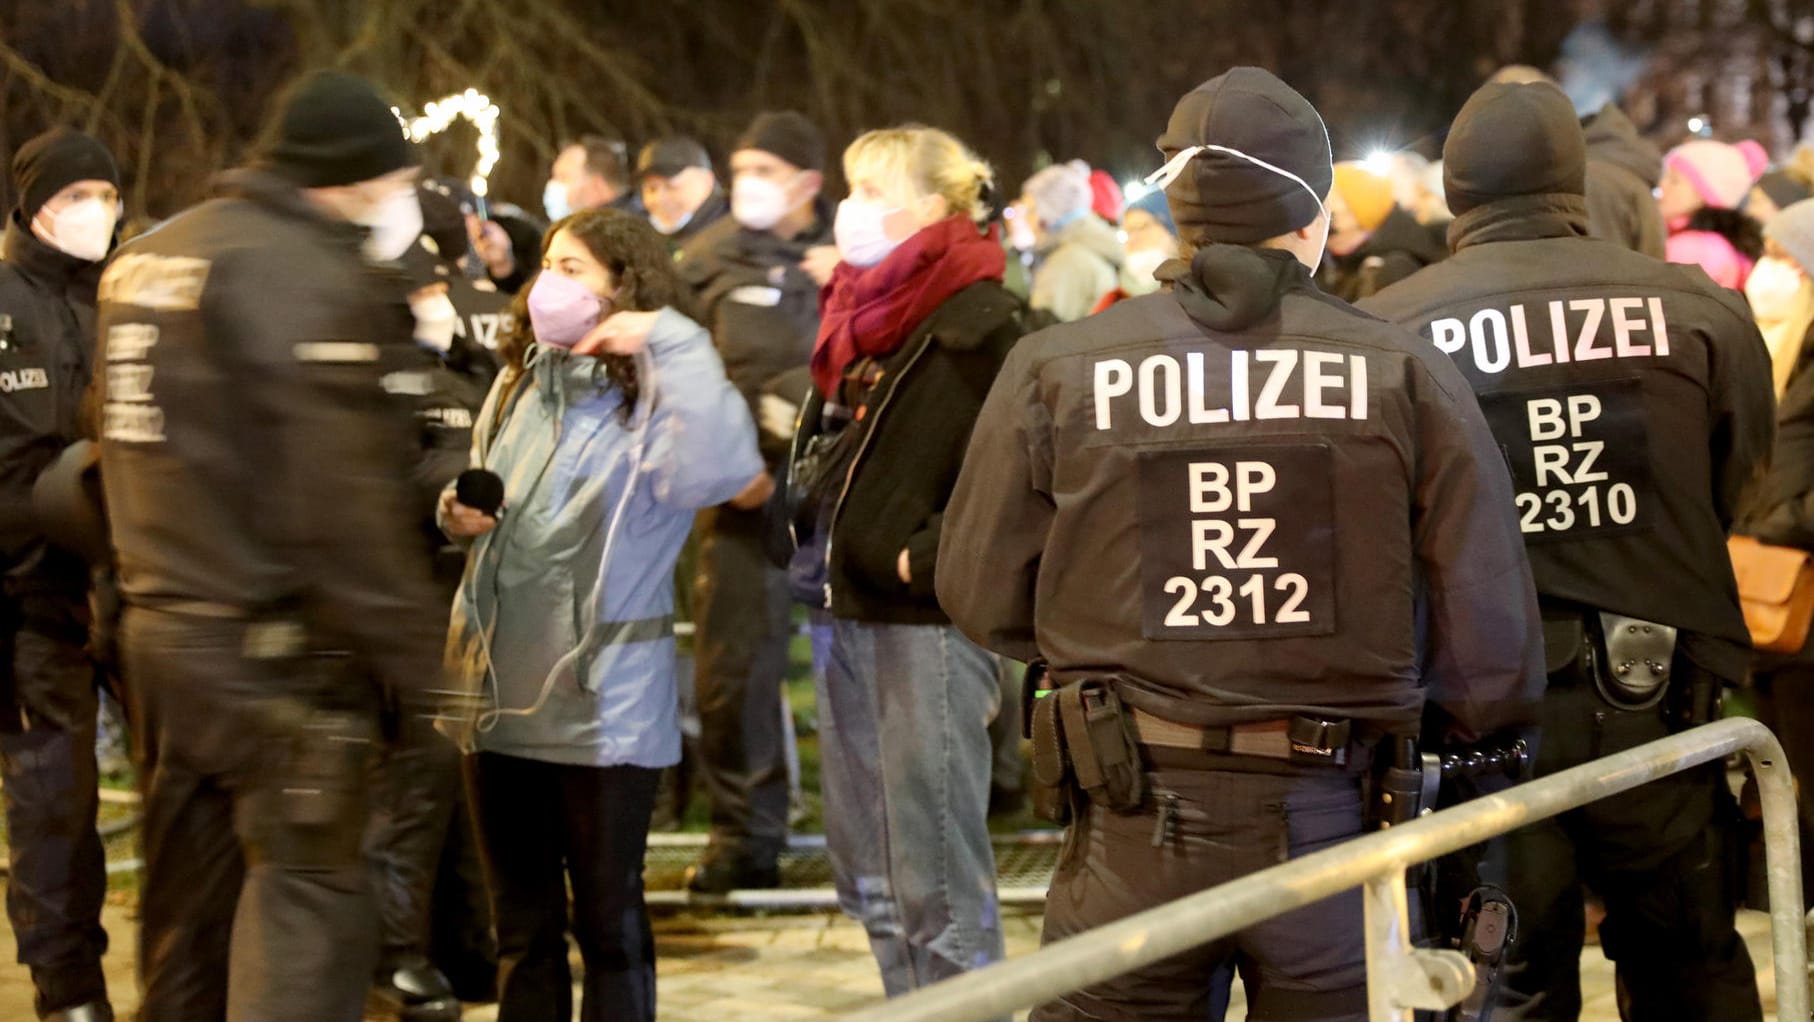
1378, 162
1134, 190
1699, 125
476, 107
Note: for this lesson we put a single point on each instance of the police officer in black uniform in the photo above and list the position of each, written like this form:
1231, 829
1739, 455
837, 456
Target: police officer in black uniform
1261, 529
56, 239
257, 483
1633, 401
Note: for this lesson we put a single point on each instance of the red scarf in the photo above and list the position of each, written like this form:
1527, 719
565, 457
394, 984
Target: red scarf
870, 312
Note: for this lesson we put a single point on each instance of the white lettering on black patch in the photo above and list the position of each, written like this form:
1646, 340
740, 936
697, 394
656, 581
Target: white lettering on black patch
1579, 456
1237, 543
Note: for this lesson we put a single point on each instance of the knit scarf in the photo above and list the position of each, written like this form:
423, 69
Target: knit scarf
870, 312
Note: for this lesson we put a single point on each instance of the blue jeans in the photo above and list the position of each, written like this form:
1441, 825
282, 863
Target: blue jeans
904, 714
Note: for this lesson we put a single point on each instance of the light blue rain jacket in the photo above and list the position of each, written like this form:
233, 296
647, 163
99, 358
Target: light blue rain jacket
605, 679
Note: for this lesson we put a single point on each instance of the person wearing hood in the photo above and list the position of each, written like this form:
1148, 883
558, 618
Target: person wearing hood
1243, 572
680, 190
1623, 171
1704, 184
56, 240
612, 425
756, 275
1077, 255
1632, 401
1373, 242
257, 481
1781, 509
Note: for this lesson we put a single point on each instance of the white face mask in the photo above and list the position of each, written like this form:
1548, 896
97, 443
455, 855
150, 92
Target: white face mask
395, 223
84, 230
759, 203
1175, 167
1141, 266
554, 200
862, 239
1775, 290
436, 322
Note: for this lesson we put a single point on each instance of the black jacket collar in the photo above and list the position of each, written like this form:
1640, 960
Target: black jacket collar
45, 264
284, 198
1522, 218
1231, 287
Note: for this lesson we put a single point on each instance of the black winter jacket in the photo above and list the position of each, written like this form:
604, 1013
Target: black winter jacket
761, 307
1622, 172
915, 427
1242, 500
254, 462
47, 337
1633, 399
1399, 247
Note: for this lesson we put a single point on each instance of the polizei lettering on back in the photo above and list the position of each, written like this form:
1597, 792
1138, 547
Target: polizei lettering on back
1555, 333
1281, 383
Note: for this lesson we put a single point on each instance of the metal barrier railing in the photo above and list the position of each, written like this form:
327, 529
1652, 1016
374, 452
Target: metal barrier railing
1399, 977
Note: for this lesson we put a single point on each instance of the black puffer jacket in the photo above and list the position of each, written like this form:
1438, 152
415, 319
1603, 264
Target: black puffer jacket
913, 431
253, 460
47, 336
1369, 560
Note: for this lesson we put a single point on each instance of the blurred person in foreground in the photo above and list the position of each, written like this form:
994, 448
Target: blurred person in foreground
56, 242
257, 483
612, 425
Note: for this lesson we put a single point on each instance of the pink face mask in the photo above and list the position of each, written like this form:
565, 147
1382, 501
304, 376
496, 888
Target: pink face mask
562, 311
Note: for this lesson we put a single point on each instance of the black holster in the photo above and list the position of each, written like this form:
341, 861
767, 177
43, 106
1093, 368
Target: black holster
1084, 742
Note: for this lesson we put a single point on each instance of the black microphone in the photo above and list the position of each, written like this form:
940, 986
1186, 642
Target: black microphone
481, 490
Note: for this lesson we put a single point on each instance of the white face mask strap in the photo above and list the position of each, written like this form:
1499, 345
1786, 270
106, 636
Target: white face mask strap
1174, 169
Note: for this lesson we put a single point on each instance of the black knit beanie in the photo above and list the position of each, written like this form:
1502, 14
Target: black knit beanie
335, 129
55, 160
787, 135
1510, 141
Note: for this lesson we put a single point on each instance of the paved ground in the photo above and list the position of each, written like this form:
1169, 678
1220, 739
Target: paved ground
749, 969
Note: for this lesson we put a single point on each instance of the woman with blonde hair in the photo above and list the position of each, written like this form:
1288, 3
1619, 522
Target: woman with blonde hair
915, 325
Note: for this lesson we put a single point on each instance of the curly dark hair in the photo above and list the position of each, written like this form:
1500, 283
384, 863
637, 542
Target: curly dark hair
643, 267
1741, 229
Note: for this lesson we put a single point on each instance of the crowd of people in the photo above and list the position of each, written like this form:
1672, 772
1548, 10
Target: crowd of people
366, 497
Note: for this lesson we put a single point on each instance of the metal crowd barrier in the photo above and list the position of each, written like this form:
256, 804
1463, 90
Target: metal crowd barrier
1400, 978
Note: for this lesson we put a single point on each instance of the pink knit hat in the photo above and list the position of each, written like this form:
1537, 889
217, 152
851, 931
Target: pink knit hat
1721, 174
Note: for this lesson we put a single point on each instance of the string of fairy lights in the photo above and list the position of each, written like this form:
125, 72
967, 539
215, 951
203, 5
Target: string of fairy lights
475, 107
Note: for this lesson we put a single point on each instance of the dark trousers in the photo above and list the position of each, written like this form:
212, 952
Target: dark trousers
743, 614
1305, 965
425, 861
57, 880
542, 825
256, 905
1659, 857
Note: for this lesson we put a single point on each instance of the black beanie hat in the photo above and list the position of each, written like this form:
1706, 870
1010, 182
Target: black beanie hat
336, 130
1514, 140
787, 135
1226, 199
55, 160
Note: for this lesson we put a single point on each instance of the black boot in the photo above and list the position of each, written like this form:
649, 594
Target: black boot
413, 991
